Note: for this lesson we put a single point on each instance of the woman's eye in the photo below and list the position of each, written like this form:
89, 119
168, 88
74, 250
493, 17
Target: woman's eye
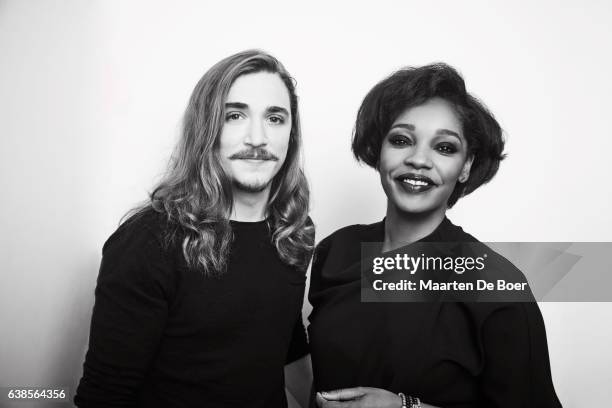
400, 141
277, 120
446, 148
232, 116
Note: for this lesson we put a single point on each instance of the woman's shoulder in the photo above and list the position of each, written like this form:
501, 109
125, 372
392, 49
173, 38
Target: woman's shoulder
342, 248
355, 233
447, 231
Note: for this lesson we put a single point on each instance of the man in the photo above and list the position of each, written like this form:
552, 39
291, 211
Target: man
199, 295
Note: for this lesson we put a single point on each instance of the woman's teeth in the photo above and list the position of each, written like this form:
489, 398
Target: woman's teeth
415, 182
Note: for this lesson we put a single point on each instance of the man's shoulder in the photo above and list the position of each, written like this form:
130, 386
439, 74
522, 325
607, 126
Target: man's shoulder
144, 229
136, 255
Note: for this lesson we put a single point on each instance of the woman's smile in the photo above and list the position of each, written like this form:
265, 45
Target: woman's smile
423, 157
415, 183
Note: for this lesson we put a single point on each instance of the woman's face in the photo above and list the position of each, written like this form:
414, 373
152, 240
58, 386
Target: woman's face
422, 158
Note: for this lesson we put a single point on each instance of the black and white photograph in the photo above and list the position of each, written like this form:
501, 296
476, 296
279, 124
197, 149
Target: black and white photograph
334, 204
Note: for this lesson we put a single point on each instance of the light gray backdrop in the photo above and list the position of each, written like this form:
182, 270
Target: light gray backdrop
91, 95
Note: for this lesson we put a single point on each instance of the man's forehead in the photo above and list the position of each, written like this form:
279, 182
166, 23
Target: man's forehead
259, 90
245, 107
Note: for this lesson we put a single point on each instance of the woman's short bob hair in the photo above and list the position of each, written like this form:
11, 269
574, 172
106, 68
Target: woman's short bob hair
413, 86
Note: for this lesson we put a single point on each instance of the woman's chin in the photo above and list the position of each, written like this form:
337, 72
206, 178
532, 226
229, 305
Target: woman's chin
411, 206
414, 203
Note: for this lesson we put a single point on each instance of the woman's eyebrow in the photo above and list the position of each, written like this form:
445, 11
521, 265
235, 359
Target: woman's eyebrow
448, 132
407, 126
439, 132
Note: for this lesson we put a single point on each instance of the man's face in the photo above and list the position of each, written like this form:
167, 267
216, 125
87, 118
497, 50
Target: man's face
255, 135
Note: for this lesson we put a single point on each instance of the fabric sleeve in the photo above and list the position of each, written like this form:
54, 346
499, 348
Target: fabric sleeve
516, 370
318, 260
298, 347
129, 314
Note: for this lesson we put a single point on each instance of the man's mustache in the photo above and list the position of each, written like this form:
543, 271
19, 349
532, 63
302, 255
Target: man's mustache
255, 153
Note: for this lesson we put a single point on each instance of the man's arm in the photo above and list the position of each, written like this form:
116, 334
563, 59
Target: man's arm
127, 323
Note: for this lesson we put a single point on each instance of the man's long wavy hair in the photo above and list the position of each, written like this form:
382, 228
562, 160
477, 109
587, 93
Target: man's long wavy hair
195, 195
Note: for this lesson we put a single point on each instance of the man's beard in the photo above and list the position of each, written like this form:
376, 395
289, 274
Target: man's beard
253, 187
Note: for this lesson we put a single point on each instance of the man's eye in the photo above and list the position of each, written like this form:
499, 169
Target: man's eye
232, 116
277, 120
446, 148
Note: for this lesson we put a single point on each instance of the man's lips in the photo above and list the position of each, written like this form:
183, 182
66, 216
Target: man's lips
415, 183
256, 154
252, 159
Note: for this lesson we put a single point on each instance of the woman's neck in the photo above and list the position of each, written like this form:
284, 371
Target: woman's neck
403, 228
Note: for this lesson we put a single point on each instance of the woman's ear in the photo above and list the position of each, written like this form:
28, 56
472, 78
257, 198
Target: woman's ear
465, 171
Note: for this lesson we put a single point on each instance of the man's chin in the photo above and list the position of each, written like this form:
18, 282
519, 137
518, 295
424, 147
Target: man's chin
251, 187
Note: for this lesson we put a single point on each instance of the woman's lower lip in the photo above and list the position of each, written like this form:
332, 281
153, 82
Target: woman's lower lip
415, 189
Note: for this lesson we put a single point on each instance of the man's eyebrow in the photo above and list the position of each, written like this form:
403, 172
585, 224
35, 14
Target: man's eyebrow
236, 105
278, 109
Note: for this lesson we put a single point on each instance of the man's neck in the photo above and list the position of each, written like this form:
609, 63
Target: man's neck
250, 207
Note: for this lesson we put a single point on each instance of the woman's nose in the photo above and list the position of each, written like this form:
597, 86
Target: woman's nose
418, 158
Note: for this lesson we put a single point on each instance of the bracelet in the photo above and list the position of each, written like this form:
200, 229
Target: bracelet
414, 402
403, 397
408, 401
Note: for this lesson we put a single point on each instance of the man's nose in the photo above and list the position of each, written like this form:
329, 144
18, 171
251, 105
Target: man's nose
256, 135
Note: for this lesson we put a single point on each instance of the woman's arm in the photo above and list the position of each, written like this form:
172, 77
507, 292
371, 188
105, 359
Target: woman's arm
516, 368
298, 380
361, 397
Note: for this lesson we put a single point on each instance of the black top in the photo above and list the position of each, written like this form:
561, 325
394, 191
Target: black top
449, 354
163, 335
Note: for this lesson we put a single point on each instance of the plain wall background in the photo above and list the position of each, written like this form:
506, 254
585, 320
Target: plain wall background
92, 93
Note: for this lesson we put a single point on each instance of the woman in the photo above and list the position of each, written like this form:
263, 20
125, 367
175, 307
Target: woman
432, 143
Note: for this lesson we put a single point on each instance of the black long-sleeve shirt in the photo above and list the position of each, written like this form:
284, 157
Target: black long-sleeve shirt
449, 354
164, 335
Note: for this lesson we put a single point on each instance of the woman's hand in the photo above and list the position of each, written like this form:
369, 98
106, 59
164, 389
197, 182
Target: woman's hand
358, 397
